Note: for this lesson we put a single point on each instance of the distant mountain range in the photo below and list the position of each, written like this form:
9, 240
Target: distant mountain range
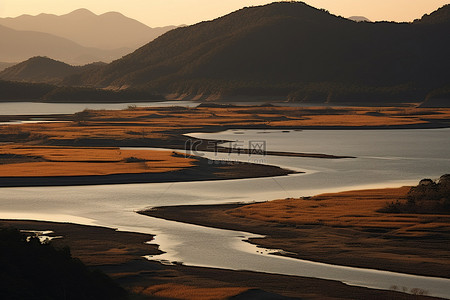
289, 50
20, 45
111, 30
359, 19
79, 37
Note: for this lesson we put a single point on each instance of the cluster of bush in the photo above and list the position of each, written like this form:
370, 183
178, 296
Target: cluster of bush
429, 197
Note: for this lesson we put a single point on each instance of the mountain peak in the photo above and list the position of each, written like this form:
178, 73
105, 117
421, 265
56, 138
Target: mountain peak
37, 69
113, 14
359, 19
88, 30
285, 50
286, 8
81, 12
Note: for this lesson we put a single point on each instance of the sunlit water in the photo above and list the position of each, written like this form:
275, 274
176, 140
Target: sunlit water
385, 159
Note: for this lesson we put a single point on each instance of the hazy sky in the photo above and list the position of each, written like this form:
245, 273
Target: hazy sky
176, 12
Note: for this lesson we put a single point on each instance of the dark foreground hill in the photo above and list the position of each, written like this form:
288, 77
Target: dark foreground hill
31, 270
290, 50
43, 70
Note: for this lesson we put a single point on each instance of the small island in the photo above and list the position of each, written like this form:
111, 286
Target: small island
354, 228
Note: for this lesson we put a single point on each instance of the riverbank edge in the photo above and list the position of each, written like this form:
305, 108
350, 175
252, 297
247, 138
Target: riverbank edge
91, 244
217, 216
203, 170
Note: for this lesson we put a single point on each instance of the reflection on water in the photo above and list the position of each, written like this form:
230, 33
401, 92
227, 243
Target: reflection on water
43, 236
18, 122
38, 108
415, 155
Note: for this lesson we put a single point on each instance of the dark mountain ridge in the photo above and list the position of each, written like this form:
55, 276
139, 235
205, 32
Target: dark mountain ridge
13, 91
440, 16
43, 70
289, 50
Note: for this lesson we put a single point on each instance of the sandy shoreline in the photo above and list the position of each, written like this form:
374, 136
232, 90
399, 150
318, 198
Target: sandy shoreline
25, 165
205, 173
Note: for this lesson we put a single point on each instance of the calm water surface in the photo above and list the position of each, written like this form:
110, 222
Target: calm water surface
38, 108
385, 158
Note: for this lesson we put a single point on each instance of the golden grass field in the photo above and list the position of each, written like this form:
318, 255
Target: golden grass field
353, 209
162, 123
77, 147
340, 228
185, 292
42, 161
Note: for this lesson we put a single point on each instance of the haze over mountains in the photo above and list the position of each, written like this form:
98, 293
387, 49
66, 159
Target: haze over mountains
17, 46
289, 50
79, 37
359, 19
4, 65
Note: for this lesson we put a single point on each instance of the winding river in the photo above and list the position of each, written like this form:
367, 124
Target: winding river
387, 158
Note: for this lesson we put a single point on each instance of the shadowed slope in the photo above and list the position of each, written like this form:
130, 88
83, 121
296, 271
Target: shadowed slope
42, 70
288, 50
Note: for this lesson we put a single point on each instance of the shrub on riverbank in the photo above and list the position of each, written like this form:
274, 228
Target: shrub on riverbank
428, 197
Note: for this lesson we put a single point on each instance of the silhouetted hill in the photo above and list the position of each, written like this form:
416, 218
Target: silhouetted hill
359, 19
288, 50
441, 16
111, 30
21, 45
31, 270
43, 70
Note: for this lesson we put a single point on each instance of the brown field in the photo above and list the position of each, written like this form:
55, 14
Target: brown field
339, 228
39, 161
342, 228
86, 144
77, 147
31, 165
162, 123
354, 209
178, 291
